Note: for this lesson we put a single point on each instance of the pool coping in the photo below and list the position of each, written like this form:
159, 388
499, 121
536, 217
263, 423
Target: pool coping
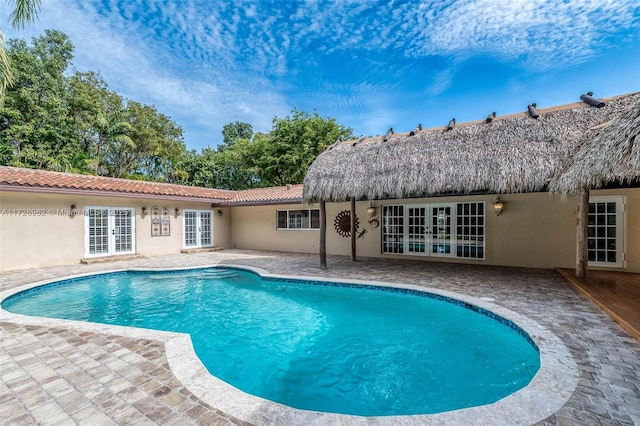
552, 386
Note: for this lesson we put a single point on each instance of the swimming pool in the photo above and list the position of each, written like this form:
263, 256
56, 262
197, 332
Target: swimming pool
337, 347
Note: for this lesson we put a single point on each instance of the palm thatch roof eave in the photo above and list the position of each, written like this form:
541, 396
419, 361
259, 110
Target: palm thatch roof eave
610, 154
514, 154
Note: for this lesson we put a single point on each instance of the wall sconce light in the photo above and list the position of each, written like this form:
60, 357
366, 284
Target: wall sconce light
177, 211
219, 212
498, 206
371, 209
144, 211
73, 210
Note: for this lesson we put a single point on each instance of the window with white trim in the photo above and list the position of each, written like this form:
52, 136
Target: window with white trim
438, 229
605, 231
470, 230
298, 219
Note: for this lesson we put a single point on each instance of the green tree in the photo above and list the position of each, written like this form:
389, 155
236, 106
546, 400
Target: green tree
113, 137
74, 123
35, 122
231, 132
284, 154
24, 11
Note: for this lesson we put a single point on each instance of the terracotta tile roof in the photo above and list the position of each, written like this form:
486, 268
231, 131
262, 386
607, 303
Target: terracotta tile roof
19, 179
272, 195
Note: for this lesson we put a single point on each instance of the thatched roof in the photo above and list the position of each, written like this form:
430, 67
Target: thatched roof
515, 153
610, 153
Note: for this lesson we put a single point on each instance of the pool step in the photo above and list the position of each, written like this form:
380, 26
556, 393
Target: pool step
105, 259
221, 274
200, 250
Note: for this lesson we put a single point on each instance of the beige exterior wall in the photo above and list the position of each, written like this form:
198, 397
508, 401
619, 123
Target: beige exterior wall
37, 230
535, 230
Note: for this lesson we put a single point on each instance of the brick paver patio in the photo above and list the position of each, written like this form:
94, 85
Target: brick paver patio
55, 375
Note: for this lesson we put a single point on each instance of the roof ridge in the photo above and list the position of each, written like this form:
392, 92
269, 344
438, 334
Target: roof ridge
48, 179
541, 111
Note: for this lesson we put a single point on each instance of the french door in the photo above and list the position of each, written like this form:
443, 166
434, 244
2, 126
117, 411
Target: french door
605, 231
198, 228
109, 231
439, 229
430, 229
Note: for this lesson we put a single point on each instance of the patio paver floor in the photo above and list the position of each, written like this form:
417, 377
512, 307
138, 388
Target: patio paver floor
58, 375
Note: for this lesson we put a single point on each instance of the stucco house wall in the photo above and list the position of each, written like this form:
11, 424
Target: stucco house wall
535, 230
36, 229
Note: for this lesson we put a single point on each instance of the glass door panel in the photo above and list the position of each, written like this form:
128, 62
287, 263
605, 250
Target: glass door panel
190, 228
205, 228
97, 228
418, 232
123, 231
393, 229
441, 230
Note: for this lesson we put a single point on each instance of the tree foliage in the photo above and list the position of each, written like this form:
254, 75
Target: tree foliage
70, 121
284, 154
75, 123
24, 11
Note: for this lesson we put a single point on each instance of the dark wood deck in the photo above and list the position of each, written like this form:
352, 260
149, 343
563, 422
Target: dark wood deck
616, 293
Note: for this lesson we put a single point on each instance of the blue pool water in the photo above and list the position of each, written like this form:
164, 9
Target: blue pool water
338, 348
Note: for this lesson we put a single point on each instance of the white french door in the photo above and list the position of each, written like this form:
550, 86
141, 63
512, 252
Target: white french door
605, 231
438, 229
198, 228
109, 231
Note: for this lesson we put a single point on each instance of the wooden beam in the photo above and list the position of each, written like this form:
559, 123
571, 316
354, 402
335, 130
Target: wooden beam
582, 256
353, 229
323, 235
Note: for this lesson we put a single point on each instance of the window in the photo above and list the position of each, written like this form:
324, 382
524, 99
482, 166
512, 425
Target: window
470, 230
393, 229
605, 231
298, 219
443, 229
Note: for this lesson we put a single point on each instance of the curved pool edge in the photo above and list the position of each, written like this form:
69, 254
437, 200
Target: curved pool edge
552, 386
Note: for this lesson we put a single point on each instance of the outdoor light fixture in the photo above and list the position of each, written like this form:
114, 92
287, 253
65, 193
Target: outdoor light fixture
219, 212
177, 211
144, 211
73, 210
371, 209
498, 206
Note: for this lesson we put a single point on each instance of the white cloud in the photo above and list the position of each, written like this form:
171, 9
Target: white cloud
216, 62
549, 34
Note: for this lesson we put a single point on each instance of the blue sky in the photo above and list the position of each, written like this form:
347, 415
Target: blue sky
369, 64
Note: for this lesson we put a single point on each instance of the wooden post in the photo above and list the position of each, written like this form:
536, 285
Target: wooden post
582, 256
323, 235
353, 229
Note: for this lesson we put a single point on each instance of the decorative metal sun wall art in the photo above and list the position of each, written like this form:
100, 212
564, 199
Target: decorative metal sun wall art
342, 223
